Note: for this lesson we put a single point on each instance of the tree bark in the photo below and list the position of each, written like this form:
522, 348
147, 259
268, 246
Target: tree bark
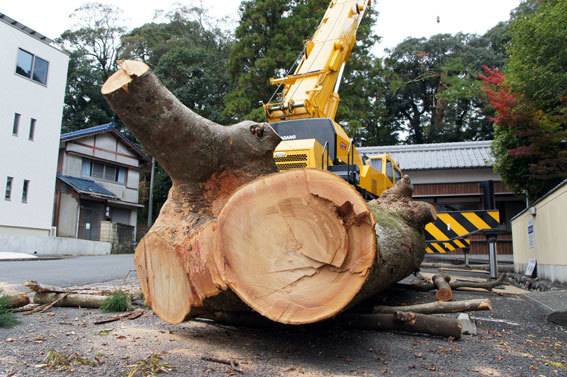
444, 292
403, 321
438, 307
428, 285
18, 300
298, 246
70, 299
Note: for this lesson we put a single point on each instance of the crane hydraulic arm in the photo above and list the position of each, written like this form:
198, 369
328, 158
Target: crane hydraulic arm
312, 90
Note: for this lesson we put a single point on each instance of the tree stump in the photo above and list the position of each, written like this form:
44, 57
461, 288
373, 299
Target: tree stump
297, 247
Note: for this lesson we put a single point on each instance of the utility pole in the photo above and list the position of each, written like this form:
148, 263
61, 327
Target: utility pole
151, 201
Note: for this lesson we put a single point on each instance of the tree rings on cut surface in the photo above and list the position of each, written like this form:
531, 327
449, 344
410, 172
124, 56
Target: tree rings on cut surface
297, 245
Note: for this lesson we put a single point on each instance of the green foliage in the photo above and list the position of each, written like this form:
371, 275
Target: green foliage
269, 38
529, 144
531, 124
431, 87
92, 46
61, 362
187, 56
116, 302
538, 55
149, 367
7, 317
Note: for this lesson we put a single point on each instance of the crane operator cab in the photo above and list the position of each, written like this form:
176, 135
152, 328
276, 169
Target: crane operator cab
322, 143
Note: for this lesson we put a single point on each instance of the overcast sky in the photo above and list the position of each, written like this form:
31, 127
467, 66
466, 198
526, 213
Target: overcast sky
398, 19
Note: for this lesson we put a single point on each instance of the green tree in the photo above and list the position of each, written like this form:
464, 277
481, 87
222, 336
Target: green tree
431, 87
92, 45
530, 143
187, 56
269, 39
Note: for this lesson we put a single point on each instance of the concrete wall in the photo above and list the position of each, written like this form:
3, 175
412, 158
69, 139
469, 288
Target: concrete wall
21, 158
39, 245
548, 241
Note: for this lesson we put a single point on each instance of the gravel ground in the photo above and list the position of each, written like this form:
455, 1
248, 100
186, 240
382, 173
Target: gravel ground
512, 340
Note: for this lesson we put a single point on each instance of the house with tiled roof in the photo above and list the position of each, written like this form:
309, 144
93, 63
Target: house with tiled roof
96, 196
448, 175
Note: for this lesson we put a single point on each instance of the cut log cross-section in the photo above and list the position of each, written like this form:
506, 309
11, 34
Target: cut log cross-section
303, 252
297, 246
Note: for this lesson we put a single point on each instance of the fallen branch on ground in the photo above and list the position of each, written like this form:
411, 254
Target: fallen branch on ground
444, 292
214, 359
438, 307
233, 364
397, 321
40, 288
403, 321
69, 299
428, 285
46, 306
17, 300
135, 314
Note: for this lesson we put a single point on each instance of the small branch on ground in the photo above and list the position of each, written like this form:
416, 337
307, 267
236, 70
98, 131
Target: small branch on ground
135, 314
438, 307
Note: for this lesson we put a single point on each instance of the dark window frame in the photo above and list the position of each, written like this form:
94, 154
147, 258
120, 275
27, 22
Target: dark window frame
35, 70
390, 170
397, 174
9, 185
25, 190
102, 175
33, 122
16, 125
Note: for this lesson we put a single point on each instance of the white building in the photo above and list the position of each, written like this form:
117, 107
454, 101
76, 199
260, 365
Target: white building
33, 75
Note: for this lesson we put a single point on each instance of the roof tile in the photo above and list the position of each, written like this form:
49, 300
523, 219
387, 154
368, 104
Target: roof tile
470, 154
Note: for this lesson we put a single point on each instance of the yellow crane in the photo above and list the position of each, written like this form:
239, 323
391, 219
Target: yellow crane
304, 110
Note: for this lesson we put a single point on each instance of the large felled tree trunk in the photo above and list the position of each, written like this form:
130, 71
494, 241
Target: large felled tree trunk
297, 247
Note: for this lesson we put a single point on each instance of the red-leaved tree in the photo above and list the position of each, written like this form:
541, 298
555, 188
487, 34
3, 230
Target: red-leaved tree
530, 145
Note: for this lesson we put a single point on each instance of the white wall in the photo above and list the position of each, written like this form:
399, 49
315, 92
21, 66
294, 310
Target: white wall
21, 158
42, 245
451, 175
542, 236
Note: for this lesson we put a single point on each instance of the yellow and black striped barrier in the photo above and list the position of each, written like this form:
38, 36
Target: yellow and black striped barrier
450, 230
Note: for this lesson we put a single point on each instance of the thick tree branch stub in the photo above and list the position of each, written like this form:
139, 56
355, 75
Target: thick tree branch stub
188, 146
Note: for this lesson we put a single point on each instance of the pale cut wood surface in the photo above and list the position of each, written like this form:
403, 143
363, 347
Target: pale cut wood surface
295, 248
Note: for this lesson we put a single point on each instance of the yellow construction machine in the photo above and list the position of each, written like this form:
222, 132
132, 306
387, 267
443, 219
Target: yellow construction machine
306, 101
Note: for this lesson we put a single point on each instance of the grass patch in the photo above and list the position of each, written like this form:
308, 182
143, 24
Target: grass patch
148, 367
59, 361
116, 302
7, 316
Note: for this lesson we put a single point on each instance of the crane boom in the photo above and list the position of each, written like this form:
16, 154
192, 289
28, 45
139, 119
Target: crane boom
312, 90
304, 111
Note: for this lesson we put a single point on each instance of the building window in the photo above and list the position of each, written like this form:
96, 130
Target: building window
32, 67
103, 172
32, 128
16, 125
25, 191
8, 194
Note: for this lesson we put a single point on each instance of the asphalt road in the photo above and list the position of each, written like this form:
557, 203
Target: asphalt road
65, 272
